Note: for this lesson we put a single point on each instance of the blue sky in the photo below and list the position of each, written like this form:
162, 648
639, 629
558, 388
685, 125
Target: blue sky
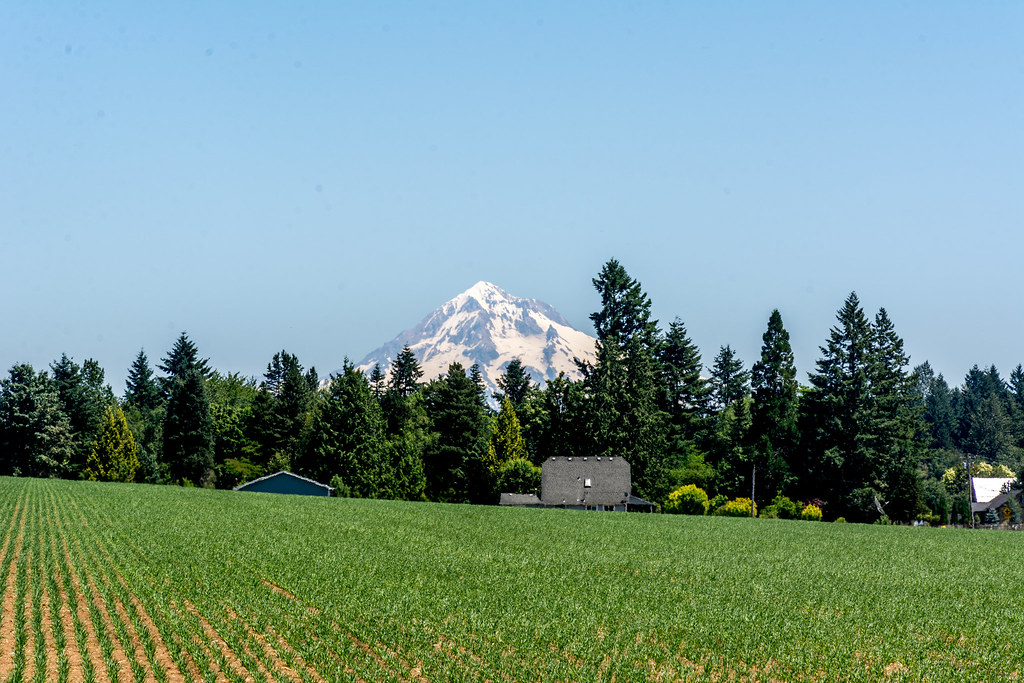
318, 176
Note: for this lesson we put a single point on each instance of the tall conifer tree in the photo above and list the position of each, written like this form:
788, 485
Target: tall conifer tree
141, 389
729, 380
188, 431
626, 416
835, 419
774, 434
454, 460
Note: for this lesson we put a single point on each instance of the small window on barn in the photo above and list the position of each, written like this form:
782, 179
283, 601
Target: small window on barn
586, 482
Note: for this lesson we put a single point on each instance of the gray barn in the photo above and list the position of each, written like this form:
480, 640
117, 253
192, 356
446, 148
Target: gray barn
600, 483
286, 482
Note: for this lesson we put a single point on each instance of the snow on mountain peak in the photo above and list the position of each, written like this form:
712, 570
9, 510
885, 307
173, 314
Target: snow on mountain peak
488, 326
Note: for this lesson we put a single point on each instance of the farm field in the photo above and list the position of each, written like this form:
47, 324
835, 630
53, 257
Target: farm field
109, 582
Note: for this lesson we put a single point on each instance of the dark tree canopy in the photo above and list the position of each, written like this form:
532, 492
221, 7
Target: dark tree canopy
773, 432
188, 431
515, 384
184, 355
405, 373
728, 379
35, 436
625, 313
453, 462
141, 388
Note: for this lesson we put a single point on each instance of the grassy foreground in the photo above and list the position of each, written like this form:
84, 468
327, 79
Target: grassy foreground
131, 582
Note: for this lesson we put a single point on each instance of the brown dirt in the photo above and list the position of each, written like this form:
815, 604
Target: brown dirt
193, 670
271, 654
137, 651
92, 642
277, 589
295, 657
162, 655
75, 672
48, 640
211, 633
7, 610
30, 608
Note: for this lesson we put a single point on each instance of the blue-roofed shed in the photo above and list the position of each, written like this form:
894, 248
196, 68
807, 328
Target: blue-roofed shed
286, 482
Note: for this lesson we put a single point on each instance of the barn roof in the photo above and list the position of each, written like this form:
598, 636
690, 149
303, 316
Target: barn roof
282, 473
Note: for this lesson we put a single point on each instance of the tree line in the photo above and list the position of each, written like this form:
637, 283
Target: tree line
865, 438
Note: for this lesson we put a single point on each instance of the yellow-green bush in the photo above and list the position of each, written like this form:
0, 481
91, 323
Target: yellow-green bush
687, 500
738, 507
811, 513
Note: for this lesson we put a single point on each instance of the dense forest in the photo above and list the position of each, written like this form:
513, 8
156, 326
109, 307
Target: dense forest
867, 438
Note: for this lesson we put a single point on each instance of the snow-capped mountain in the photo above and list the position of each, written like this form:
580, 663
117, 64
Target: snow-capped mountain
489, 326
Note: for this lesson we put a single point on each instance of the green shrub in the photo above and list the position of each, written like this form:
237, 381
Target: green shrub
740, 507
687, 500
840, 520
769, 512
718, 501
787, 509
811, 513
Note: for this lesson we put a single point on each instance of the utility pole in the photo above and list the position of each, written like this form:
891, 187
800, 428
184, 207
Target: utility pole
970, 510
753, 486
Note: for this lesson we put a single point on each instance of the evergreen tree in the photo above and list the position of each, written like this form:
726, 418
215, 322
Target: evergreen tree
986, 410
35, 435
835, 415
281, 412
349, 441
728, 448
774, 434
556, 420
378, 381
142, 390
405, 373
235, 452
728, 379
114, 455
453, 461
184, 355
1017, 386
188, 431
625, 313
477, 377
895, 421
626, 418
507, 441
515, 384
685, 393
938, 407
83, 398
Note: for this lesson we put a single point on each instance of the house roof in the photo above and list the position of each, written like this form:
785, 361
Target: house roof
585, 481
279, 474
984, 489
519, 499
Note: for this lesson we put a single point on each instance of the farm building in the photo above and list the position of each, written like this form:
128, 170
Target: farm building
993, 493
286, 482
600, 483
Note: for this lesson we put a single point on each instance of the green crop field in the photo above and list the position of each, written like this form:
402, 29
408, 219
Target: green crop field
139, 583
